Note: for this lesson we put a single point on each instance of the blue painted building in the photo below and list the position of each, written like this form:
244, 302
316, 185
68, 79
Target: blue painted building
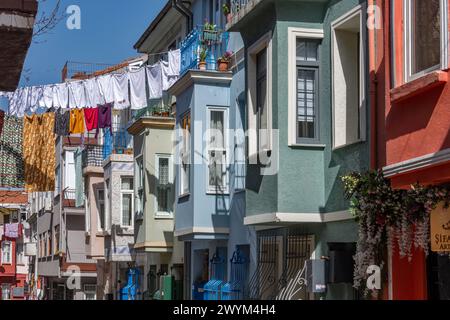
210, 160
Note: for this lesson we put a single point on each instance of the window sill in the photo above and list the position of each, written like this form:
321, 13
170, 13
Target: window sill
184, 195
214, 193
418, 86
307, 146
163, 217
349, 145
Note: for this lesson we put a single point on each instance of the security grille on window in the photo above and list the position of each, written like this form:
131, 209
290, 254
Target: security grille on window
163, 187
307, 90
127, 202
217, 151
185, 154
424, 35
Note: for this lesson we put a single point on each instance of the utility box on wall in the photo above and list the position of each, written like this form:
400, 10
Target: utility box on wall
316, 275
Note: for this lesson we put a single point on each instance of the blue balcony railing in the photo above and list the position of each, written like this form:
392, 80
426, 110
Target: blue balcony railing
214, 42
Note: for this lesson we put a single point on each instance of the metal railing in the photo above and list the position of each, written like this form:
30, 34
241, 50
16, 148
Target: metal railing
69, 194
213, 42
92, 156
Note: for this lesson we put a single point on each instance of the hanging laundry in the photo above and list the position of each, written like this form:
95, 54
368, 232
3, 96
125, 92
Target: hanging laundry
138, 92
76, 121
77, 95
12, 230
120, 88
93, 94
91, 118
79, 179
19, 102
62, 122
154, 76
11, 153
36, 95
61, 96
107, 143
167, 80
39, 152
46, 100
174, 62
106, 87
104, 116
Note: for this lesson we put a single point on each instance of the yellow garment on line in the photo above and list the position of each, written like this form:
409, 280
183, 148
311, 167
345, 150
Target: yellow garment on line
39, 152
76, 121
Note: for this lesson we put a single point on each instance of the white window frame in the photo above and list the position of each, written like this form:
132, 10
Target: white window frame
10, 260
265, 42
139, 186
126, 192
20, 256
186, 142
98, 202
5, 287
407, 10
211, 189
362, 73
293, 35
170, 158
108, 214
90, 291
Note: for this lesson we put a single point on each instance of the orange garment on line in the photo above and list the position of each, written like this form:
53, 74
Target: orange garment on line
39, 152
76, 121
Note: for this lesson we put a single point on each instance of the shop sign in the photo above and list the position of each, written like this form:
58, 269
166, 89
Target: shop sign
440, 229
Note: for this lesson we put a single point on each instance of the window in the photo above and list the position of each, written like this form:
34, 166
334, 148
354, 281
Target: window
90, 292
127, 202
56, 240
260, 98
101, 209
348, 73
185, 154
6, 252
163, 185
425, 32
19, 254
48, 243
140, 185
6, 291
217, 169
108, 204
57, 180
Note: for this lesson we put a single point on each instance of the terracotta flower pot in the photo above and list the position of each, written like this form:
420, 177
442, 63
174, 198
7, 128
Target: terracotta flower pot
223, 66
202, 65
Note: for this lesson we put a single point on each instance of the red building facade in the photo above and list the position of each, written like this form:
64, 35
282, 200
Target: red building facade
409, 64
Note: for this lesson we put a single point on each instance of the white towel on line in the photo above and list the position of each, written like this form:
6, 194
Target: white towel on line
36, 95
167, 79
120, 89
174, 62
93, 94
138, 94
46, 100
106, 87
154, 76
61, 96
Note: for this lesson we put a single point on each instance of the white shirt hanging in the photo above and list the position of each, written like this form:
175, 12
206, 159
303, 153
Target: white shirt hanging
174, 62
77, 95
120, 89
106, 87
61, 96
154, 76
167, 79
138, 93
93, 94
46, 100
36, 95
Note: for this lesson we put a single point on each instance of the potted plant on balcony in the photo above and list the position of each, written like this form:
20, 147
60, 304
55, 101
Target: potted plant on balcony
226, 11
224, 61
202, 58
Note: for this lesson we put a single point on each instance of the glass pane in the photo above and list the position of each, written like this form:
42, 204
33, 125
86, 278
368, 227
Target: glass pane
216, 161
102, 215
127, 183
163, 171
307, 50
217, 131
306, 93
126, 209
163, 194
101, 195
426, 37
261, 63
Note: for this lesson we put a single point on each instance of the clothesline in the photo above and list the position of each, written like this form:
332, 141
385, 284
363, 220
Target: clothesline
124, 90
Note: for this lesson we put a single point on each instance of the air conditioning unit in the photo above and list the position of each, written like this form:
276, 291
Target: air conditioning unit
30, 249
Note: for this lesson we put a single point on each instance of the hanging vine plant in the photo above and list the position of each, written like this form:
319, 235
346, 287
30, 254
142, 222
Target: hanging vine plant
386, 216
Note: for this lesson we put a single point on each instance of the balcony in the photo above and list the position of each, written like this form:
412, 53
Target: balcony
239, 9
92, 156
201, 49
120, 142
69, 198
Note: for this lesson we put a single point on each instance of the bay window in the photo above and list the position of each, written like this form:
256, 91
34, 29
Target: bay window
127, 202
216, 150
426, 36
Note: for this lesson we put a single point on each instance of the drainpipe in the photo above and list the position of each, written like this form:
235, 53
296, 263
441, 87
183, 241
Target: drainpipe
186, 12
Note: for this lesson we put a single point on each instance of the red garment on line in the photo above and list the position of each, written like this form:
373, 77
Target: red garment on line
91, 118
